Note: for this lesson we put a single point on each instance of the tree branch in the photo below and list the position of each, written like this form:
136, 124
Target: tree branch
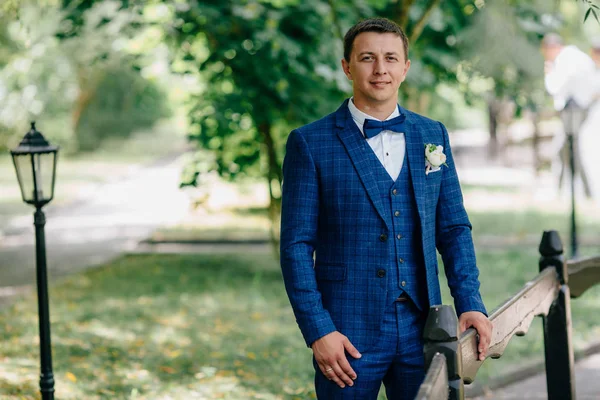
420, 25
402, 11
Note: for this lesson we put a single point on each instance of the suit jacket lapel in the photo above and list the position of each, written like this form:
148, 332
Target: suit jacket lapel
357, 146
415, 149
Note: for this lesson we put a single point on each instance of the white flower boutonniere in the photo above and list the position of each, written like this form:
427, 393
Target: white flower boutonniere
434, 158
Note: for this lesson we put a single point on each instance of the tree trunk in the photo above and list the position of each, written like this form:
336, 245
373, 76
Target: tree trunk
493, 111
87, 92
84, 98
274, 180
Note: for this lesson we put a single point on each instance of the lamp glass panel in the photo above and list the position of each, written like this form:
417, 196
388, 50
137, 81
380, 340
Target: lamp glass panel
24, 175
43, 164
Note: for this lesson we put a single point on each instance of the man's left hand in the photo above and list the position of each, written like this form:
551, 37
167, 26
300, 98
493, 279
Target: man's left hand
483, 326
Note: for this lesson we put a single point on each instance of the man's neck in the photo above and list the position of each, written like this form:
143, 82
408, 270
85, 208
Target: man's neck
379, 111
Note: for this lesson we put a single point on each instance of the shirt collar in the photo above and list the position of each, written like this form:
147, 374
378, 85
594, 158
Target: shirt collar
359, 116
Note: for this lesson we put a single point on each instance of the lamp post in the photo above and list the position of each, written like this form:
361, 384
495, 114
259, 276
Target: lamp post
572, 117
35, 164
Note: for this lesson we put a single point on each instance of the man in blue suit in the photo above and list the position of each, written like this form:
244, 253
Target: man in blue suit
369, 193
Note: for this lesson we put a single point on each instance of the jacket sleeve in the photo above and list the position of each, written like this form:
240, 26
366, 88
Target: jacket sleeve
454, 240
299, 221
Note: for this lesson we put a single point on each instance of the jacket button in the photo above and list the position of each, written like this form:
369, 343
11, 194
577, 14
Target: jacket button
401, 260
381, 273
403, 283
395, 192
383, 237
397, 213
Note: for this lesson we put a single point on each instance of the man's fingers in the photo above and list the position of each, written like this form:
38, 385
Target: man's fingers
347, 368
333, 372
330, 372
484, 328
351, 349
342, 377
327, 371
332, 376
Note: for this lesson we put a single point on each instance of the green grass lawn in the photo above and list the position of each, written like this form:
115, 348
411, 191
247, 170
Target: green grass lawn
208, 326
151, 326
530, 222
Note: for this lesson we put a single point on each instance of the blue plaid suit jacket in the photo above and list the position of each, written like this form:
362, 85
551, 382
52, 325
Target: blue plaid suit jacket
333, 216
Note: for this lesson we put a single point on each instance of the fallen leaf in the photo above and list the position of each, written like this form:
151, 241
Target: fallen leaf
70, 376
167, 369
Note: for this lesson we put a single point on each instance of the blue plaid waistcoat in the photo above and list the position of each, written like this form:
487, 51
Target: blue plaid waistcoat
406, 272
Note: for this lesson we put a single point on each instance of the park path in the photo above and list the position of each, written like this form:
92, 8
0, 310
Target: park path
90, 231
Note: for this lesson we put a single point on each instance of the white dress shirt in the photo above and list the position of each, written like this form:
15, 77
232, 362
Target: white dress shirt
388, 146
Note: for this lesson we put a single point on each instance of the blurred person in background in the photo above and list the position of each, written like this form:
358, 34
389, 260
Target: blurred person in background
567, 75
589, 134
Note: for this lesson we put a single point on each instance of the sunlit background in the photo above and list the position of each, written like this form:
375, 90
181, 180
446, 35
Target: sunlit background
172, 117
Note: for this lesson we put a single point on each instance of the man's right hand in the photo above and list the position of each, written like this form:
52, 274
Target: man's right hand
330, 355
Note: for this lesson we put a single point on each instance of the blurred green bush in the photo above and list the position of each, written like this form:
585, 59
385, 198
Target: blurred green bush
124, 102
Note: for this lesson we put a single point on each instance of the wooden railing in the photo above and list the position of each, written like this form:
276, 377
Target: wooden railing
547, 295
435, 385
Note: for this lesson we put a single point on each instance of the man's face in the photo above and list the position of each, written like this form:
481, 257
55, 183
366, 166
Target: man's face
376, 68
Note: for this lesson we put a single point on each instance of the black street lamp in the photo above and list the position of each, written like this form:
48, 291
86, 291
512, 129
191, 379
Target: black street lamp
35, 163
572, 117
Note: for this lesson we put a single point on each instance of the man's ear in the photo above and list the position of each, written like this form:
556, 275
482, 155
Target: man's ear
406, 68
346, 68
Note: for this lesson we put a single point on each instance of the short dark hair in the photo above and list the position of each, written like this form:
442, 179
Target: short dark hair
380, 25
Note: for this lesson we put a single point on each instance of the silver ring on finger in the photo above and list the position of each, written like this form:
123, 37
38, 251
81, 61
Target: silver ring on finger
329, 369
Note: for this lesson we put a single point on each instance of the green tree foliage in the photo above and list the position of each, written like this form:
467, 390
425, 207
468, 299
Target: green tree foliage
68, 66
268, 66
125, 102
507, 49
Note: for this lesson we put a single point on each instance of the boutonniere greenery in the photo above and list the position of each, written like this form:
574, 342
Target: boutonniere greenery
434, 157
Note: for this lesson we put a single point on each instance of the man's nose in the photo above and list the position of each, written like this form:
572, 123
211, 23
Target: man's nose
380, 68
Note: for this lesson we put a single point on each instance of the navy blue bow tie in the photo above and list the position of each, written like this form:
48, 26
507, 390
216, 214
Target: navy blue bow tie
372, 127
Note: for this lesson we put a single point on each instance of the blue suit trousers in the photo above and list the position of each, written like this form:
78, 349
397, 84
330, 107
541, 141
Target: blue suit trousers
396, 360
